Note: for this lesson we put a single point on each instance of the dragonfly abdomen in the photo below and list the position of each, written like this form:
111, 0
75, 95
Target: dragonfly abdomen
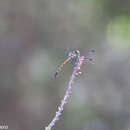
62, 65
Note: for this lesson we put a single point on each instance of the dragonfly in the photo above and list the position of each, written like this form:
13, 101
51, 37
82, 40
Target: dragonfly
72, 56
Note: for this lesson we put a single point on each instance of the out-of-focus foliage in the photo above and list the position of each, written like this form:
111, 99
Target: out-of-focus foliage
33, 37
119, 30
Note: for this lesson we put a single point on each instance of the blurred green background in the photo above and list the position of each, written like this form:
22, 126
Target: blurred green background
33, 37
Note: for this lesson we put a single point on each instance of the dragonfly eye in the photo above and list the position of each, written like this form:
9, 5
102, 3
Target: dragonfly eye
77, 52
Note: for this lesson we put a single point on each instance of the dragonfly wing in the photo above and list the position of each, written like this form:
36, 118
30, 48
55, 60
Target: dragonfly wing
69, 53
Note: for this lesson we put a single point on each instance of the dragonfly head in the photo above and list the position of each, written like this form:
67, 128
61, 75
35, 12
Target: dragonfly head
77, 52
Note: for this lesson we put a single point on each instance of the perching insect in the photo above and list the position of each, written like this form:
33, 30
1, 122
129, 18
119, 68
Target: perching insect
72, 56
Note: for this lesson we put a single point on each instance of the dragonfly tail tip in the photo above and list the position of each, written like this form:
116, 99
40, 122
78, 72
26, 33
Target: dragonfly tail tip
55, 74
